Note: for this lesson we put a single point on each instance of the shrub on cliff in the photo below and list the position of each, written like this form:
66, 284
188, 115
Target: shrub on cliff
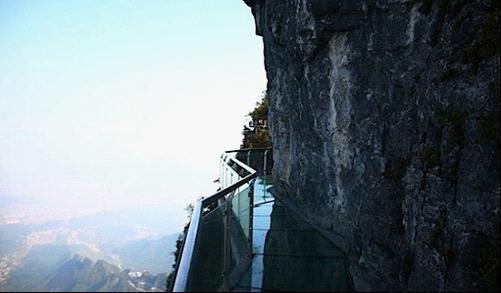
256, 134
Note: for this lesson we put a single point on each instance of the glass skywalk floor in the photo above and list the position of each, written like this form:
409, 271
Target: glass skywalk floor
289, 254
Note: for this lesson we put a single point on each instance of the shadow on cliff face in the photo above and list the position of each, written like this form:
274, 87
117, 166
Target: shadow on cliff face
298, 258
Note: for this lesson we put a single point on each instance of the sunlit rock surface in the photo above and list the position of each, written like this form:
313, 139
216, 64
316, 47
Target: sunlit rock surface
384, 118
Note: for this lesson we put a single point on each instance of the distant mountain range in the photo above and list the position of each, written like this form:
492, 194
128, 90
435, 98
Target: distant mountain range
83, 275
53, 268
113, 251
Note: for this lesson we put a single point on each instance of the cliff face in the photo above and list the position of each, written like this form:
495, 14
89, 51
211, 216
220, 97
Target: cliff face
384, 119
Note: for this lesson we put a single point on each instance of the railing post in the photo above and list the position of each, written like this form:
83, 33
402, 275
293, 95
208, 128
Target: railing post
226, 176
221, 173
251, 217
248, 158
265, 161
227, 244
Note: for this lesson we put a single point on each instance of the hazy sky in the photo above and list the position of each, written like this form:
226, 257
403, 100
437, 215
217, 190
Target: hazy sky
109, 103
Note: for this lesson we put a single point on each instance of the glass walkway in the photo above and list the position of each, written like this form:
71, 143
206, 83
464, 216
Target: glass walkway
247, 240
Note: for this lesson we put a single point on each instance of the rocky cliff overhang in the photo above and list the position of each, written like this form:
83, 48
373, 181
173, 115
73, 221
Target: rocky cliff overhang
384, 118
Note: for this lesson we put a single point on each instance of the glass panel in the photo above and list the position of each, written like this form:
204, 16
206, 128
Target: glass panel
289, 254
240, 206
239, 223
230, 174
255, 159
207, 261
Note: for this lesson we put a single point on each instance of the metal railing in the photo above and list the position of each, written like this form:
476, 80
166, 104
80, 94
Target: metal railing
221, 222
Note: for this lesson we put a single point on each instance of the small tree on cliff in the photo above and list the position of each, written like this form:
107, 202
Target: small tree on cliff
256, 134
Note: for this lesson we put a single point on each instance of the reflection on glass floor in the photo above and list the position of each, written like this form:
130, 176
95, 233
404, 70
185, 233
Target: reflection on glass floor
289, 255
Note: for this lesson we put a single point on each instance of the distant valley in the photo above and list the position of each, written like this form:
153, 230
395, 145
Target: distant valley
123, 250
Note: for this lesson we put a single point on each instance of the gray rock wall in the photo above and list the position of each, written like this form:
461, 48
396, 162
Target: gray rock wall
384, 118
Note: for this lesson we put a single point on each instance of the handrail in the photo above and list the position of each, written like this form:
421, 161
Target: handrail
183, 269
249, 149
181, 278
237, 161
216, 196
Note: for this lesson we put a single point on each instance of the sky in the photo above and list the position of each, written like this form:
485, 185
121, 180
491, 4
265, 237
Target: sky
107, 104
